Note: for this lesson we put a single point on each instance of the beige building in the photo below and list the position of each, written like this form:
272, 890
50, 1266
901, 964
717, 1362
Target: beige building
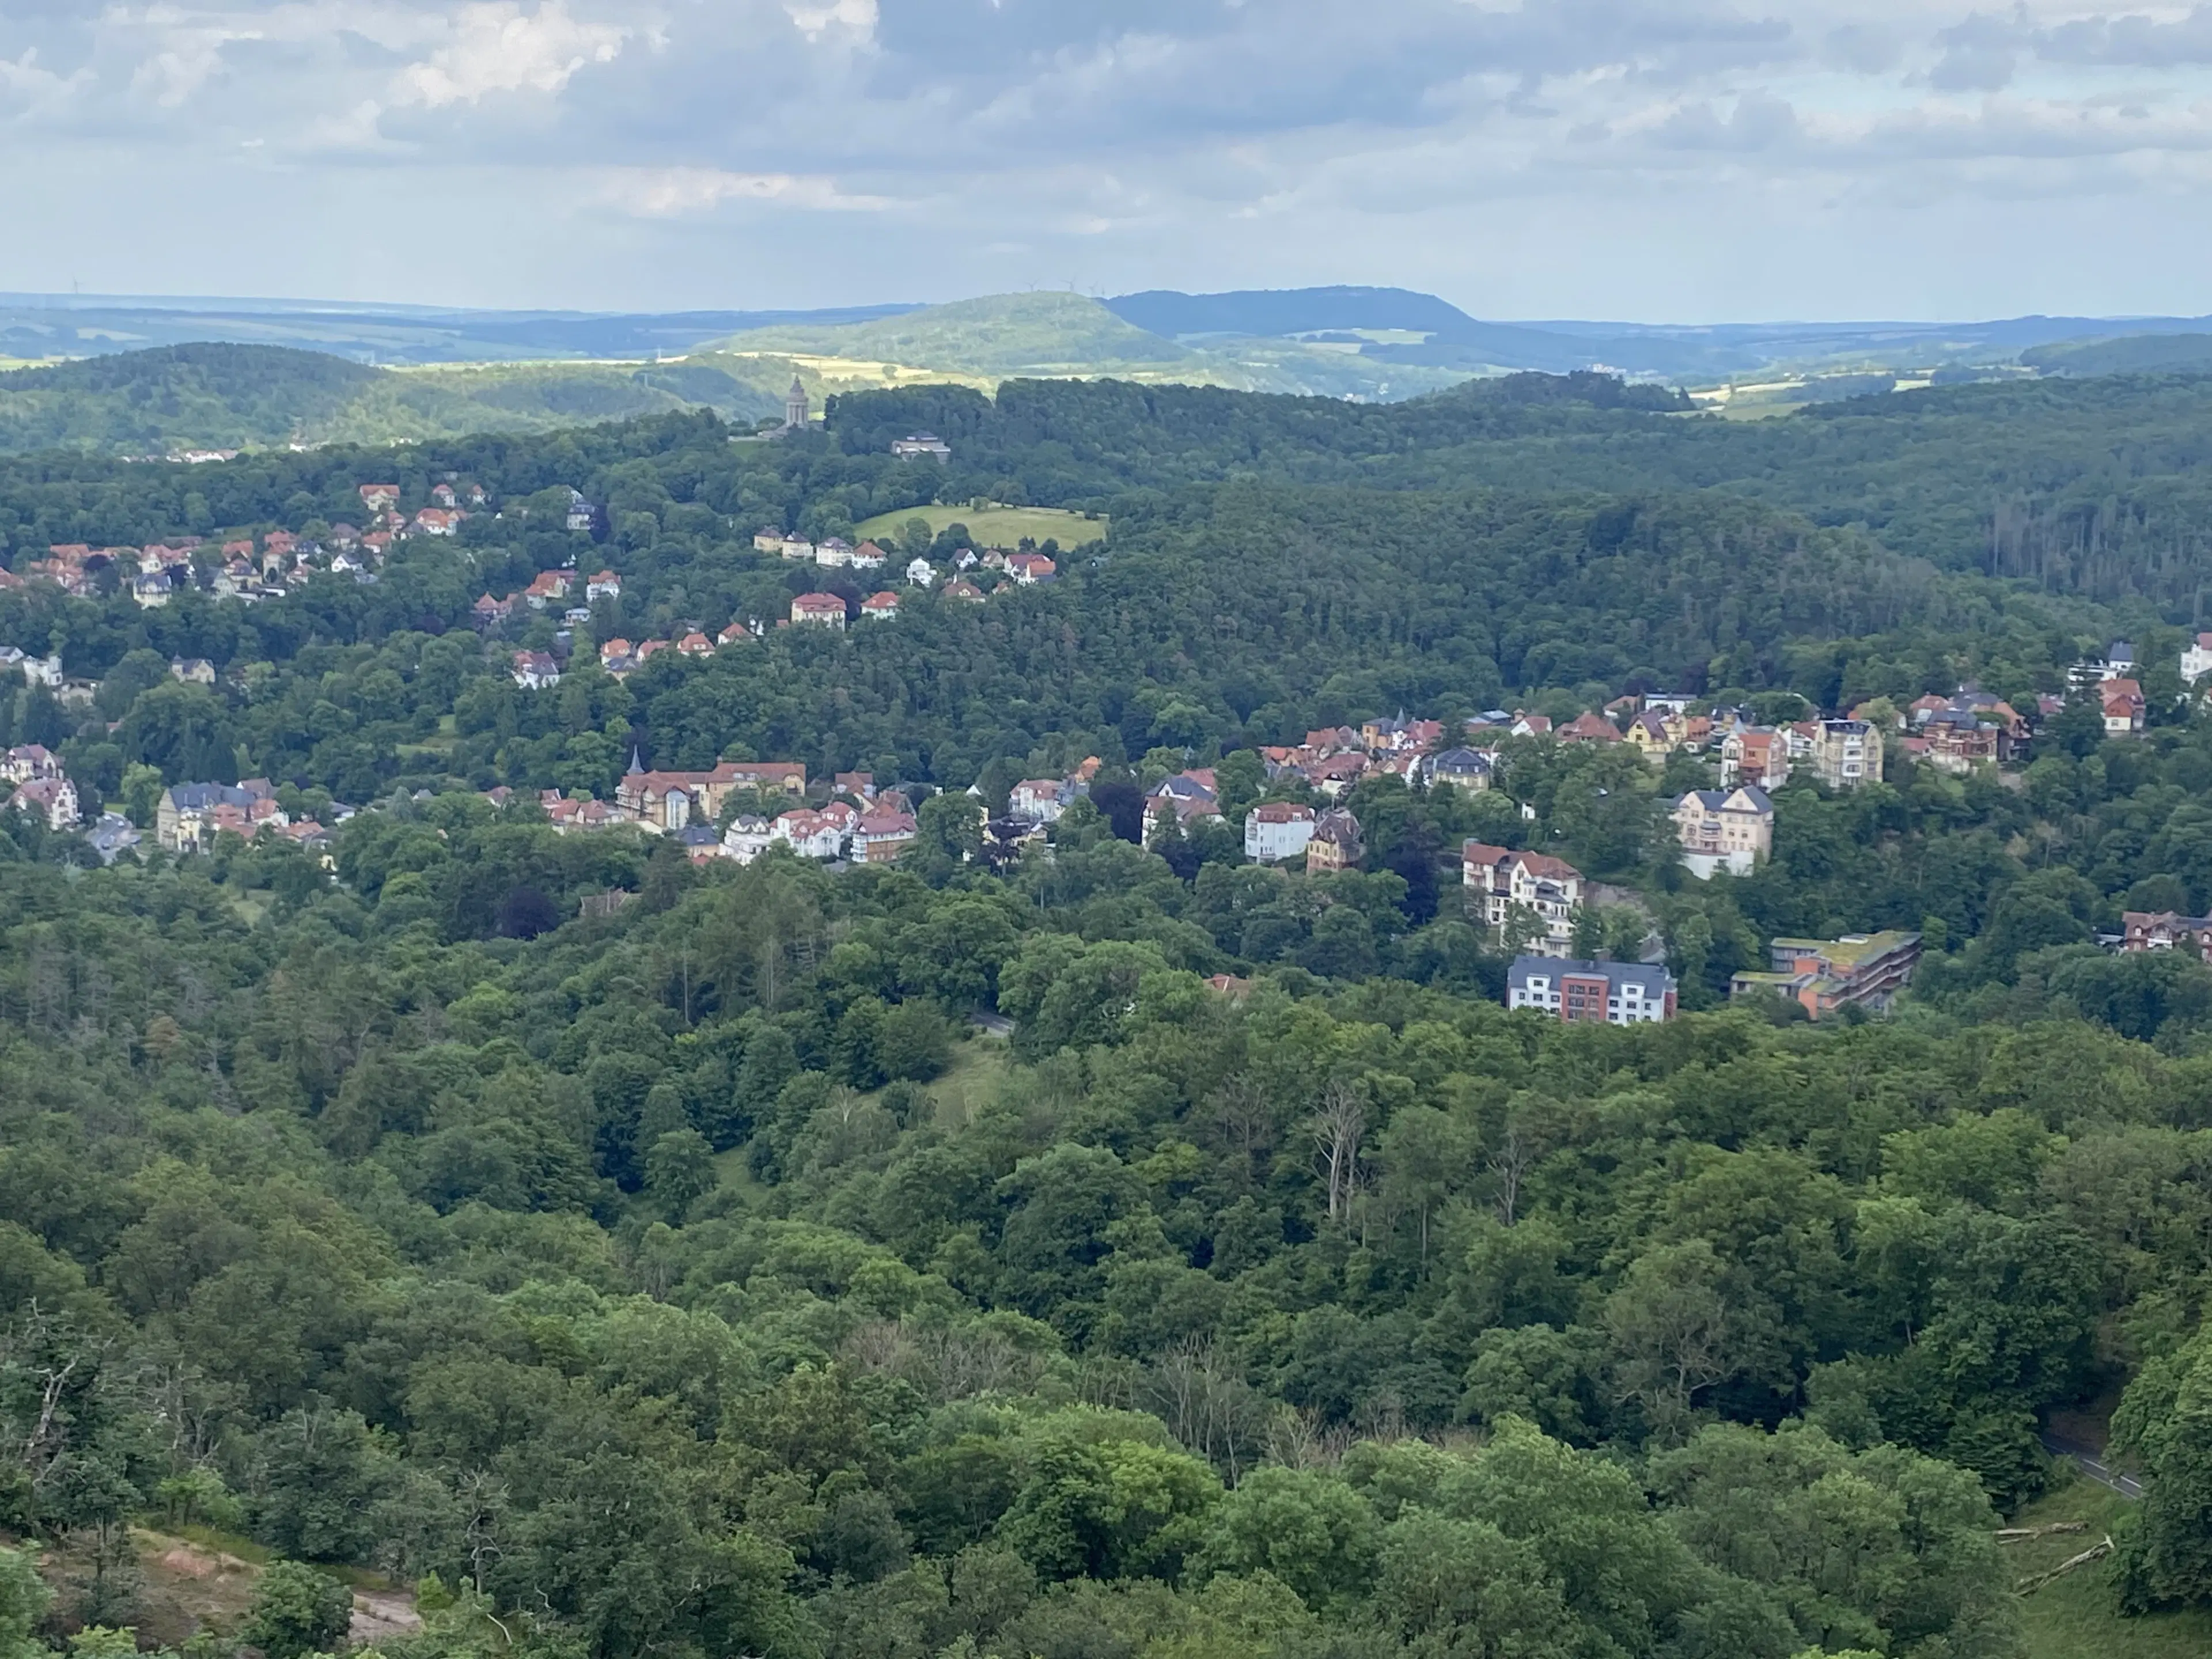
1726, 830
1846, 753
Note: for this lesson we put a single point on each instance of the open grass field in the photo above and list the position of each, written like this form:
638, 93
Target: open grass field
2074, 1618
994, 527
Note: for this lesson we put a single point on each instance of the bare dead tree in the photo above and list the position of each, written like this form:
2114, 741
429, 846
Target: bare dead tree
1337, 1127
1509, 1163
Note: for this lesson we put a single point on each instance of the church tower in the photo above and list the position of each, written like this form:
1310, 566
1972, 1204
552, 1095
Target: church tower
794, 406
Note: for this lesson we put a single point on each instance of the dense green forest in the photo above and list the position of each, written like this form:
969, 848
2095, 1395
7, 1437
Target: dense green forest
693, 1274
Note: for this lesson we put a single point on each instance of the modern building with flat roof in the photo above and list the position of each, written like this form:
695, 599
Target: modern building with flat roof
1825, 974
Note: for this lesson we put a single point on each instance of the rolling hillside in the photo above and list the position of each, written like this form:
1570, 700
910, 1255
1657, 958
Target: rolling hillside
236, 397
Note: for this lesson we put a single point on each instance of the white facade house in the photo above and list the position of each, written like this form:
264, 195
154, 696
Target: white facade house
1277, 829
2196, 661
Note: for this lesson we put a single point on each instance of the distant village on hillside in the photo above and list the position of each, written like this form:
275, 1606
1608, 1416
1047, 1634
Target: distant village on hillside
1528, 901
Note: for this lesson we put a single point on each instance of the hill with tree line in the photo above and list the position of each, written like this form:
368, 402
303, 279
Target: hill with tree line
685, 1274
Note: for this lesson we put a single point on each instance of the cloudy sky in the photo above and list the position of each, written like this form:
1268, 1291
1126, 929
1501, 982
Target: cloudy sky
1649, 160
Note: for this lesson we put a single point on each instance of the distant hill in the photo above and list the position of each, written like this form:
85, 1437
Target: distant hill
1290, 311
225, 396
1005, 335
36, 326
1052, 335
2140, 354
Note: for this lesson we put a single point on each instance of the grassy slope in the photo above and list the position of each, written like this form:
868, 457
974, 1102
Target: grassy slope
2074, 1618
994, 527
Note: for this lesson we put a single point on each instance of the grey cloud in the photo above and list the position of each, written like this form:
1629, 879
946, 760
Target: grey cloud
2135, 41
1980, 55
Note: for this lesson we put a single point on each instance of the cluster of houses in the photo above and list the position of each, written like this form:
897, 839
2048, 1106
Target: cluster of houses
686, 805
1025, 568
36, 772
189, 816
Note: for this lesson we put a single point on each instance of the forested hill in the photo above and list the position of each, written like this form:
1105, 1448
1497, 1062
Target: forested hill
1097, 1250
2100, 486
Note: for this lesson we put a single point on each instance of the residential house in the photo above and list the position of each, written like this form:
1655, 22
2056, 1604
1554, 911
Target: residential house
918, 444
860, 786
695, 644
29, 761
735, 634
438, 521
867, 556
1038, 800
747, 838
919, 572
880, 607
2196, 661
1517, 892
1335, 774
152, 592
487, 613
818, 610
192, 671
963, 590
547, 587
583, 516
442, 494
1822, 975
1758, 756
1655, 735
1457, 768
2166, 930
568, 815
1592, 993
1726, 830
1183, 798
796, 547
1588, 728
767, 540
833, 552
881, 834
190, 813
2124, 707
812, 834
1846, 753
534, 670
380, 498
615, 650
1531, 726
1277, 829
54, 799
1028, 569
701, 841
605, 586
1336, 843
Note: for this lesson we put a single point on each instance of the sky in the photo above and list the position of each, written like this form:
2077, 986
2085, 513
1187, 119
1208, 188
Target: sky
1658, 161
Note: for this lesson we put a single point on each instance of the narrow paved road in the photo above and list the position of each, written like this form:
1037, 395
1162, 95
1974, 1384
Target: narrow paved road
2093, 1466
996, 1025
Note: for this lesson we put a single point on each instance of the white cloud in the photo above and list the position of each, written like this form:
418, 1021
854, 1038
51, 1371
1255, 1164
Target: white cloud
679, 192
496, 46
857, 18
28, 89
